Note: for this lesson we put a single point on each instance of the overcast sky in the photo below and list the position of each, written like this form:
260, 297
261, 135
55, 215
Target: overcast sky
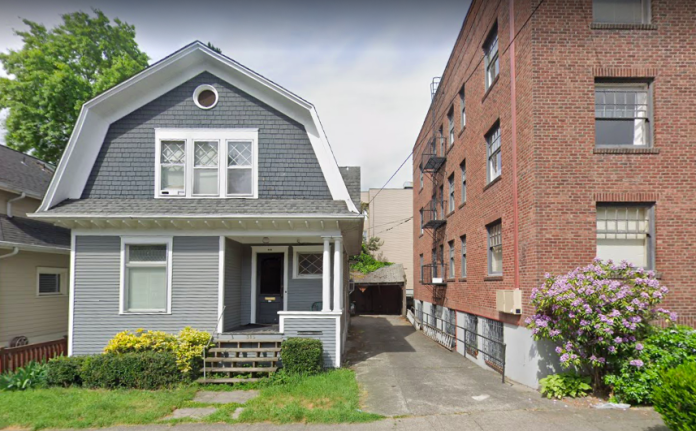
365, 65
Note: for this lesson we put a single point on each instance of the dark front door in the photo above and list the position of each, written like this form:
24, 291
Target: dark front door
270, 276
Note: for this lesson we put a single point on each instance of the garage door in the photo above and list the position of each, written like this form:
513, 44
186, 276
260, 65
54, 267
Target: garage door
377, 299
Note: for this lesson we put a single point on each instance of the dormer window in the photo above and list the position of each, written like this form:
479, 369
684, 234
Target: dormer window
202, 163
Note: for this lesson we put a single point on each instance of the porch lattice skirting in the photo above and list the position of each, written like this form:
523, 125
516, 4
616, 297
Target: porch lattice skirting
236, 361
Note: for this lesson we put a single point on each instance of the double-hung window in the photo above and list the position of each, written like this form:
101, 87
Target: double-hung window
434, 263
622, 115
421, 267
462, 109
194, 163
462, 239
490, 51
420, 169
462, 167
495, 249
441, 137
626, 232
51, 281
621, 11
450, 125
421, 221
452, 271
146, 282
442, 202
495, 162
450, 184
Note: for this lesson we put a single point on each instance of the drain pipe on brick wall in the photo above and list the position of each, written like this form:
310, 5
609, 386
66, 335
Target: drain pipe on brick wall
513, 104
9, 203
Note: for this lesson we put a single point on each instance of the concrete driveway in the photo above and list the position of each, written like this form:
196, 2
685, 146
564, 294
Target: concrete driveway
404, 373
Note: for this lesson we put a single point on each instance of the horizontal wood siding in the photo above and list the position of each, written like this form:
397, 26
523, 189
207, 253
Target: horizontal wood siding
97, 270
246, 285
303, 292
327, 326
233, 284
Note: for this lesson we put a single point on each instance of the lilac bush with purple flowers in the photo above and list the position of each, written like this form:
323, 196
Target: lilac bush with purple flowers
595, 314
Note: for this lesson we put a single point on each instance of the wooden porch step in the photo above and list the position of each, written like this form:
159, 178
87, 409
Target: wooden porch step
243, 369
277, 340
243, 349
227, 380
257, 359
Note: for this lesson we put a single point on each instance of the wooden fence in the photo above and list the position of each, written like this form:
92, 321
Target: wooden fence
12, 358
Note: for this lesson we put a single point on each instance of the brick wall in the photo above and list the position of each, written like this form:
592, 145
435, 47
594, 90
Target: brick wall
560, 175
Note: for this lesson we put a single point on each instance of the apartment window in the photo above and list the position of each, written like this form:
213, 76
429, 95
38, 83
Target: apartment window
421, 221
625, 232
441, 259
420, 169
450, 183
622, 115
621, 11
495, 161
146, 281
462, 167
462, 109
441, 137
462, 240
442, 202
51, 281
492, 63
308, 261
450, 125
495, 249
452, 271
206, 163
434, 263
421, 267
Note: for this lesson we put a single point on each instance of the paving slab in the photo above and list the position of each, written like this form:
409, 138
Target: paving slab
214, 397
237, 412
192, 413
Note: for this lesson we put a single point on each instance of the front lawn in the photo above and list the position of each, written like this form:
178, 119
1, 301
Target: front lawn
329, 397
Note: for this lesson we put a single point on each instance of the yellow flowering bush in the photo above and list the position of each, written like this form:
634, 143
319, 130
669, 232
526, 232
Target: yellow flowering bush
188, 346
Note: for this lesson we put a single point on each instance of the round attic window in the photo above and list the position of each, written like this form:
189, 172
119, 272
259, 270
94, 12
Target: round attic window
205, 96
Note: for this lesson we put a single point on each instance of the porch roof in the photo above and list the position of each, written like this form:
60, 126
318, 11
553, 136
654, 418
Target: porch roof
25, 233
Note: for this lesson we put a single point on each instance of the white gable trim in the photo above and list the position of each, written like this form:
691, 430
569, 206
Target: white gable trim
97, 114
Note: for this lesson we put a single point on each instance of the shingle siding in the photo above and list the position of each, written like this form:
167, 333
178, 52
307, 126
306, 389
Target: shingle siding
97, 271
288, 167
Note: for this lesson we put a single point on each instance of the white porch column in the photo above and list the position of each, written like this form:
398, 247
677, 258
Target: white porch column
338, 273
326, 276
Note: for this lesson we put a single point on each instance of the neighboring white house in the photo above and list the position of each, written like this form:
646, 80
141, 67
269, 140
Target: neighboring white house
200, 193
34, 256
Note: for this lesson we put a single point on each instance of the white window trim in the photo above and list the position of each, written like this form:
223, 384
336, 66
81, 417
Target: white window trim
303, 249
199, 90
140, 240
220, 135
63, 272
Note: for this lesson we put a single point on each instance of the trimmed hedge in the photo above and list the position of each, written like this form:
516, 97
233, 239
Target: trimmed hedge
302, 355
65, 371
675, 398
142, 370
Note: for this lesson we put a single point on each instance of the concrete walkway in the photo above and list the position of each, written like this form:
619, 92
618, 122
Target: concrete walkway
403, 372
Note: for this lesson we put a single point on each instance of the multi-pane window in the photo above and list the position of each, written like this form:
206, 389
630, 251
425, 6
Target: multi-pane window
172, 166
205, 168
450, 183
495, 249
442, 202
434, 263
462, 240
462, 109
470, 323
309, 264
490, 50
239, 168
621, 11
420, 170
450, 125
421, 221
441, 138
421, 267
51, 281
625, 232
452, 271
622, 115
441, 259
462, 167
495, 161
146, 284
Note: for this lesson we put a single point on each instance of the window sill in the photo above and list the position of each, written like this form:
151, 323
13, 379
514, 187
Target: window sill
493, 278
449, 148
152, 313
51, 295
462, 205
492, 183
461, 132
619, 26
462, 279
450, 280
449, 214
625, 150
490, 88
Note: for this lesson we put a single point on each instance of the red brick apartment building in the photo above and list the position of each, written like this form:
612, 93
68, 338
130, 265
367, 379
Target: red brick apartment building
589, 151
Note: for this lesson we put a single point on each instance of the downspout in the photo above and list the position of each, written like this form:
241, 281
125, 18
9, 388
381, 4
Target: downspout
9, 203
513, 121
14, 252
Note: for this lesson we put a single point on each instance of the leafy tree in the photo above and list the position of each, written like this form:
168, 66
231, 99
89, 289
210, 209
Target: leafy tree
214, 48
58, 70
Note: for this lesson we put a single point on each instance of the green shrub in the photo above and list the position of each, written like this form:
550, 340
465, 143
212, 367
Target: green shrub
32, 375
65, 371
675, 397
565, 385
141, 370
635, 379
302, 355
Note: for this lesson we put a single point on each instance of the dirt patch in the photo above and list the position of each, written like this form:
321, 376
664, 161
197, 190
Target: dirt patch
322, 403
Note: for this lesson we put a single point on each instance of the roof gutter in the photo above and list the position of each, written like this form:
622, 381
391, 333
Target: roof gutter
9, 203
14, 252
346, 217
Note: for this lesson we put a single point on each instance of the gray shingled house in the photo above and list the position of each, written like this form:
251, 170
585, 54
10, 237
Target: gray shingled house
200, 193
34, 256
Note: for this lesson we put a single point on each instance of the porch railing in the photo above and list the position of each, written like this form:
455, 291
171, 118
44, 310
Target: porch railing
12, 358
492, 349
